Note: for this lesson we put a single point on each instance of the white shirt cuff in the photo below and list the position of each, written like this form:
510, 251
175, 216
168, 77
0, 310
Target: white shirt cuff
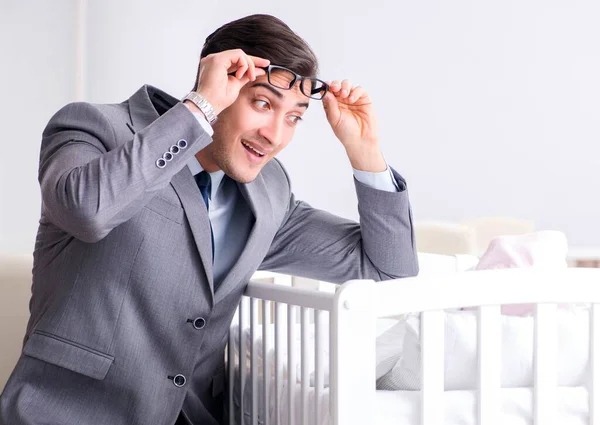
202, 120
381, 181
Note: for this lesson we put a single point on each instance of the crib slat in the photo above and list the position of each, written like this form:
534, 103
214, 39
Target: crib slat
244, 320
319, 361
291, 364
545, 376
254, 358
266, 325
231, 374
304, 314
489, 342
595, 364
332, 368
432, 367
280, 324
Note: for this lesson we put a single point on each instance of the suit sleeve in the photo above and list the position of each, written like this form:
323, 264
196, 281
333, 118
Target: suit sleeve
316, 244
91, 183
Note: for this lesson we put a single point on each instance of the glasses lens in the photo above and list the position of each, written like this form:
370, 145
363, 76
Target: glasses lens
314, 88
281, 77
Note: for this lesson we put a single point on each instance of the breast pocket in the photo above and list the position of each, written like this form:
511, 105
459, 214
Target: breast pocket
166, 209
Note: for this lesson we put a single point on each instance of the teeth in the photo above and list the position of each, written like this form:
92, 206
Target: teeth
250, 147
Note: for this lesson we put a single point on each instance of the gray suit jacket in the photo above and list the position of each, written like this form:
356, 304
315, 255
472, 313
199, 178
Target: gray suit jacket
122, 267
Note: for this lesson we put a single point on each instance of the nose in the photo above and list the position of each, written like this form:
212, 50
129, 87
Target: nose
273, 131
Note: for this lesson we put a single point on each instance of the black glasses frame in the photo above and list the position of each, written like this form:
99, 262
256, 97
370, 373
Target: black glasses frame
320, 93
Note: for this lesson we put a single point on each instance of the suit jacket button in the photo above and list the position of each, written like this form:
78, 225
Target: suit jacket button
182, 144
161, 163
179, 380
199, 323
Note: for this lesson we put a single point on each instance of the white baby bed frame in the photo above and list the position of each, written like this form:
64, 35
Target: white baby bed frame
353, 309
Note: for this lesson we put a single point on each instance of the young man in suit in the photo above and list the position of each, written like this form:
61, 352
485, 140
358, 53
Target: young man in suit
156, 212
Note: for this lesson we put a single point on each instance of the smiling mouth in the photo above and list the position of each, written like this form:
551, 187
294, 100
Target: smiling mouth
253, 150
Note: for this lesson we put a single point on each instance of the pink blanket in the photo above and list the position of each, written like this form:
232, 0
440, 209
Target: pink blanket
544, 249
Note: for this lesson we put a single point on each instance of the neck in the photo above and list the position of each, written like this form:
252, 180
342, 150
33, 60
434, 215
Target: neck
206, 161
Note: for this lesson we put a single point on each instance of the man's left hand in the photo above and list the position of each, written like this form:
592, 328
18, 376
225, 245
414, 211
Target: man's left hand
351, 115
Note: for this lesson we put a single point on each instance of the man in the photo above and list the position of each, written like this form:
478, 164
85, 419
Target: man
156, 213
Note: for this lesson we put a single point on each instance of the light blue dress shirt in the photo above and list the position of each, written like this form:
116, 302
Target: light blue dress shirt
230, 215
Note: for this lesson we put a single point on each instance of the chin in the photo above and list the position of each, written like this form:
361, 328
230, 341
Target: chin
245, 179
242, 176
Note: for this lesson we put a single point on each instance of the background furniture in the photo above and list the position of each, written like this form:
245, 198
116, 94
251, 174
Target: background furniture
15, 291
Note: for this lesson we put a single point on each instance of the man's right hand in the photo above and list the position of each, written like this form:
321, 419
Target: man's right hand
223, 74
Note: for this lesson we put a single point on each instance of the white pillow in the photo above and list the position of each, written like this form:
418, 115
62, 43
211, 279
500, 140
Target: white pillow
388, 347
460, 352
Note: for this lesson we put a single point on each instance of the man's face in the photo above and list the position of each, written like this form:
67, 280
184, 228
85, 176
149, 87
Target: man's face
255, 128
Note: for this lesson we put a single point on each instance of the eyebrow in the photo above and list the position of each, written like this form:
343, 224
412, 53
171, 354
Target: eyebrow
278, 93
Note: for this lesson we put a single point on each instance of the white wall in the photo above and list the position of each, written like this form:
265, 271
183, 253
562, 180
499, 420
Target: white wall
37, 41
485, 107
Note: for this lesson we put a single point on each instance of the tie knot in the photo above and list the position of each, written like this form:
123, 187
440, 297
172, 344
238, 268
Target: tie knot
203, 179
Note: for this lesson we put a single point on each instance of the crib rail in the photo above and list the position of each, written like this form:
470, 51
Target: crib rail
352, 311
283, 309
486, 290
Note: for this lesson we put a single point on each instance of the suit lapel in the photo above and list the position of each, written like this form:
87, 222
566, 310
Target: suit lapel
143, 113
257, 198
195, 210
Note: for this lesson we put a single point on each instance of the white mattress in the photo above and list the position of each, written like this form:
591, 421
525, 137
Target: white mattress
460, 407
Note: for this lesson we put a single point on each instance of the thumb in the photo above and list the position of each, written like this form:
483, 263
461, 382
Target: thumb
241, 82
331, 107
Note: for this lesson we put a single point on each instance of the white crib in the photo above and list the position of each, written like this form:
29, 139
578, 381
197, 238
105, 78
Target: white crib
351, 311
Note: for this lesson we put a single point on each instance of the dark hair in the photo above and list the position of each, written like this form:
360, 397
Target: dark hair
267, 37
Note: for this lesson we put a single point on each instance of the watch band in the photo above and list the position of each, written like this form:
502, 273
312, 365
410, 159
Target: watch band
203, 105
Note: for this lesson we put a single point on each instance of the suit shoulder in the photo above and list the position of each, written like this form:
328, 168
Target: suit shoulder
75, 110
80, 120
91, 111
114, 112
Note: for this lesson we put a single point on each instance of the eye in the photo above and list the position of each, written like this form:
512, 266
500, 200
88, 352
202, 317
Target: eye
296, 119
262, 104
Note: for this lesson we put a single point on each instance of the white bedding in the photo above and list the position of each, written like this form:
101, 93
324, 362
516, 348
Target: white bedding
398, 351
389, 342
403, 407
517, 349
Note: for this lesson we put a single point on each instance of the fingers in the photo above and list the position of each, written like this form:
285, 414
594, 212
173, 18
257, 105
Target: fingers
244, 80
223, 74
331, 107
242, 67
255, 66
259, 62
334, 87
357, 93
346, 86
346, 93
239, 64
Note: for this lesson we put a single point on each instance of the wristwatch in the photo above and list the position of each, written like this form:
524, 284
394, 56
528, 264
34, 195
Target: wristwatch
203, 105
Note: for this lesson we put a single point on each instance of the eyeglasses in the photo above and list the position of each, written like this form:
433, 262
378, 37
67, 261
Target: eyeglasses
285, 79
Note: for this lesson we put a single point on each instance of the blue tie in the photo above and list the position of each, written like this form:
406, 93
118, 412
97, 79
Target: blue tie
203, 181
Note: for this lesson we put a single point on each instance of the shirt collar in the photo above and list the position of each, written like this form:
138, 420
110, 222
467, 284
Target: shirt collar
216, 177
